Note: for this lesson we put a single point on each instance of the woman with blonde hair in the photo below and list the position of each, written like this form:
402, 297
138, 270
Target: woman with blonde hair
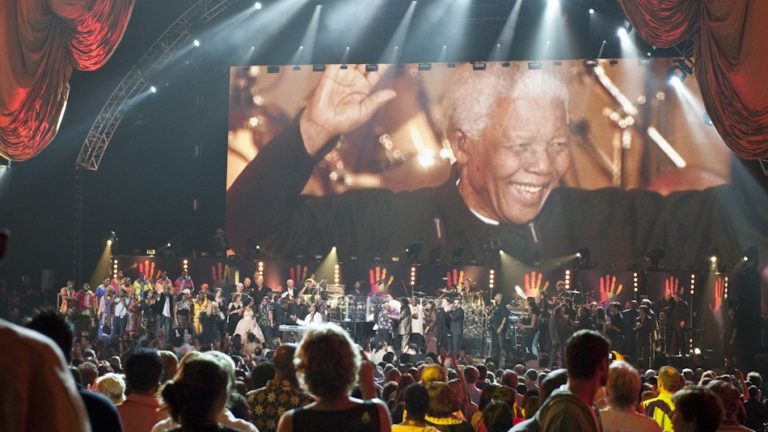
112, 386
327, 365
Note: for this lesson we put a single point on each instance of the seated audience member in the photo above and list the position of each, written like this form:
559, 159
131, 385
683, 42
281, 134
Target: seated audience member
112, 386
757, 413
442, 406
623, 389
101, 411
197, 397
139, 412
697, 409
571, 408
416, 405
731, 401
328, 364
553, 381
497, 416
660, 408
280, 394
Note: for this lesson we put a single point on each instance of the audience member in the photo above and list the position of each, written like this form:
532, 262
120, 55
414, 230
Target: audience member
756, 412
101, 411
571, 407
328, 364
697, 409
442, 406
140, 412
112, 386
471, 375
661, 407
497, 416
416, 406
197, 397
280, 394
732, 406
36, 363
623, 390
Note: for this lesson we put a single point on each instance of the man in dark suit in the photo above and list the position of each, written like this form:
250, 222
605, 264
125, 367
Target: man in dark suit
164, 310
456, 325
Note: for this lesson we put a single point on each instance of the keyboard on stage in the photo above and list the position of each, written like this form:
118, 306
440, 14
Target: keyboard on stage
293, 328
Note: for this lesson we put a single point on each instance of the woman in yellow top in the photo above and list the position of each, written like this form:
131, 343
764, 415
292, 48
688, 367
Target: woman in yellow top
200, 304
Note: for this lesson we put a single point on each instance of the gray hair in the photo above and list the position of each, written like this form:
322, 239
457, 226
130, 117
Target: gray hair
623, 386
472, 94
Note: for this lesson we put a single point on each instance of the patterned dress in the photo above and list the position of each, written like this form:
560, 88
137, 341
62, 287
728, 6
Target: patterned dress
270, 402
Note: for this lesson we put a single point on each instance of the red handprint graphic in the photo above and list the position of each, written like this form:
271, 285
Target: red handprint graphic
532, 283
672, 287
219, 273
608, 288
298, 273
454, 277
378, 275
719, 295
147, 268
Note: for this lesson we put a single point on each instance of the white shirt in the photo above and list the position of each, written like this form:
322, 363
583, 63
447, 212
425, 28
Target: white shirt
417, 319
311, 318
121, 310
167, 306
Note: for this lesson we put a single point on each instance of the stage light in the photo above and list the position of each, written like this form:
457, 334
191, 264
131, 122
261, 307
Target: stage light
318, 68
478, 66
152, 89
168, 245
296, 67
713, 259
621, 32
196, 43
425, 66
697, 351
371, 67
109, 242
257, 5
534, 65
426, 158
591, 11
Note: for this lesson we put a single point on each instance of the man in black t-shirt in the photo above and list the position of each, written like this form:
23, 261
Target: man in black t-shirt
497, 323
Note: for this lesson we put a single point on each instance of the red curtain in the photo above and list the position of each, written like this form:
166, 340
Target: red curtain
731, 53
41, 41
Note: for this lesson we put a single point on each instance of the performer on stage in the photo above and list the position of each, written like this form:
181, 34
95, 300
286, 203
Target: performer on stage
497, 324
644, 329
405, 323
431, 331
456, 324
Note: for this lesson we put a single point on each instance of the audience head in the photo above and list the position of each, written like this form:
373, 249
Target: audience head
497, 416
200, 393
623, 385
697, 409
669, 380
327, 361
552, 382
283, 362
486, 396
729, 396
88, 372
432, 373
510, 379
112, 386
416, 401
170, 365
471, 374
51, 323
442, 401
586, 356
143, 370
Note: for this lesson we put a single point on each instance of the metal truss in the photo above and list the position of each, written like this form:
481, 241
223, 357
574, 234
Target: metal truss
135, 82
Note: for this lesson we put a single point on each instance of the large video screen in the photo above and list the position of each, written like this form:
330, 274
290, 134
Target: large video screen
462, 161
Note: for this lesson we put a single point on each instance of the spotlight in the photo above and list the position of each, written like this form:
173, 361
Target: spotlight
371, 67
273, 69
591, 11
534, 65
318, 68
697, 351
425, 66
426, 158
478, 66
713, 259
621, 32
196, 43
679, 71
583, 258
257, 5
153, 89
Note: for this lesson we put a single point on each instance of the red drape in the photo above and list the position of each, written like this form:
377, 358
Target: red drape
731, 53
41, 41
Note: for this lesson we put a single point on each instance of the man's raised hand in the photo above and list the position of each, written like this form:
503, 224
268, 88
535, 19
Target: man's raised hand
343, 100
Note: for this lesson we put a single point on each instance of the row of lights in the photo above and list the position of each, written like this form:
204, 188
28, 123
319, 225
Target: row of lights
413, 276
336, 274
185, 265
634, 281
261, 268
491, 278
114, 267
568, 280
